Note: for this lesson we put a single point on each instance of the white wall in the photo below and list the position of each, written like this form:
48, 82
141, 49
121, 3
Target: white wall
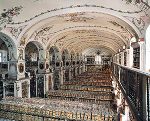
147, 50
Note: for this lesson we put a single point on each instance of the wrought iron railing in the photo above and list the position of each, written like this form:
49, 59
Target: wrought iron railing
135, 86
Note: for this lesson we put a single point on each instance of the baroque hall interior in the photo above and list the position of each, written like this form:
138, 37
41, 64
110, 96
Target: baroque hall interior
74, 60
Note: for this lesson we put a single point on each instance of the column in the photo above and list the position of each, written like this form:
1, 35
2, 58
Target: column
17, 89
84, 67
142, 54
36, 86
61, 75
130, 57
4, 95
52, 81
76, 70
29, 89
47, 73
122, 58
70, 76
42, 61
147, 50
80, 69
21, 63
20, 72
117, 58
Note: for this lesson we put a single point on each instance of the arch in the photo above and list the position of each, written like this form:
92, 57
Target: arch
55, 37
65, 56
55, 59
40, 49
55, 54
10, 45
46, 16
113, 44
53, 49
32, 51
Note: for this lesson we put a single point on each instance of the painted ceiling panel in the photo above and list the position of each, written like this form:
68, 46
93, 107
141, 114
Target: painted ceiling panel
32, 8
75, 24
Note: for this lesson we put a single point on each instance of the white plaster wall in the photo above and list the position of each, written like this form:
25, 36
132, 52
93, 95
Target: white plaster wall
147, 51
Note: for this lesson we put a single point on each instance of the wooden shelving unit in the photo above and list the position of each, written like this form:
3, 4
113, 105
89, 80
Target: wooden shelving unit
125, 58
1, 90
120, 58
136, 57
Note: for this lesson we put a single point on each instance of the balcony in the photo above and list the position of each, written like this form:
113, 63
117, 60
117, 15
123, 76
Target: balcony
135, 86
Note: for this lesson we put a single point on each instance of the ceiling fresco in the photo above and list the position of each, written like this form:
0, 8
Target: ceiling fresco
74, 24
94, 51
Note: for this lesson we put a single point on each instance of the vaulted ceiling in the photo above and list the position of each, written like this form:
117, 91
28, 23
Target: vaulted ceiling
74, 24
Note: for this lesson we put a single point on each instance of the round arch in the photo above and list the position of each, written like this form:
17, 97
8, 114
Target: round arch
12, 48
46, 16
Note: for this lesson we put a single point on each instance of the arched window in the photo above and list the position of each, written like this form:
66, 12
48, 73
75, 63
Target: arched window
98, 59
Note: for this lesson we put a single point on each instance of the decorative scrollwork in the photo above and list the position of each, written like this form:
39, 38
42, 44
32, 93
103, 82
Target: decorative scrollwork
7, 15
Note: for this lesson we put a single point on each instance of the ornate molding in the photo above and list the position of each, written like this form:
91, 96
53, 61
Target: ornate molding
75, 6
76, 17
8, 15
52, 33
138, 22
144, 6
42, 34
15, 31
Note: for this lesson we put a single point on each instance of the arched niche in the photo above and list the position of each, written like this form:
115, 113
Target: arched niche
33, 52
65, 57
8, 55
72, 57
9, 46
55, 63
55, 57
4, 52
66, 63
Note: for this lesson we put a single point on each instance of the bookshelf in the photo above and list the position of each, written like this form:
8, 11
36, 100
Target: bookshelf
125, 58
1, 90
136, 57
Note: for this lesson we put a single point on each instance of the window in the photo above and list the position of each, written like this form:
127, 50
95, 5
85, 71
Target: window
33, 56
98, 59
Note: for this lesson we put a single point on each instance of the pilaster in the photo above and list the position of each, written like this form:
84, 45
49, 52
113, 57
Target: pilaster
142, 54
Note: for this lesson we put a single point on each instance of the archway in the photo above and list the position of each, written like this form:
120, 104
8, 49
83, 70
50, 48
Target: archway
8, 66
65, 57
65, 61
32, 53
72, 59
55, 63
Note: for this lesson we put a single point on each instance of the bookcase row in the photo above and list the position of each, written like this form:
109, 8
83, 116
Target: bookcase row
86, 88
54, 116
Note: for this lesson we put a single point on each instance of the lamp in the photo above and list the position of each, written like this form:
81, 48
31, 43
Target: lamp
124, 47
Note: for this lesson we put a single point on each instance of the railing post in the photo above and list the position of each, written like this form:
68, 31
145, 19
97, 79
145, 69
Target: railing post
119, 69
135, 86
147, 98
